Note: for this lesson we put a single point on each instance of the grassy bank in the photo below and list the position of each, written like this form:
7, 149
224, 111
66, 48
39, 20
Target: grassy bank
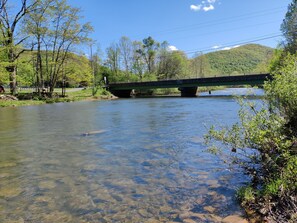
71, 96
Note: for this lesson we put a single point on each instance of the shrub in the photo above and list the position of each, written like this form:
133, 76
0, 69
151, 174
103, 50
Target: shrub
264, 144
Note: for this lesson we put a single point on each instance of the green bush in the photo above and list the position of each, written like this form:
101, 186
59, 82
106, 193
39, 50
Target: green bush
264, 143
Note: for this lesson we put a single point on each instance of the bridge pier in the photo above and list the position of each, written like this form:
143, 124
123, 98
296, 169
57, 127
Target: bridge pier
188, 91
122, 93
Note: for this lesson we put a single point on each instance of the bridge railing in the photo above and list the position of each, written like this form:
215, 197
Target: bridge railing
207, 81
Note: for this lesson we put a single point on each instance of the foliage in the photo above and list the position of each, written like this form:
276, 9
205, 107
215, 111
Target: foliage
172, 65
78, 70
264, 144
148, 51
289, 27
11, 37
251, 58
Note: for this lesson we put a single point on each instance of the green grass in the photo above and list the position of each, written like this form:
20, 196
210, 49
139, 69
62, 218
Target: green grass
20, 103
85, 94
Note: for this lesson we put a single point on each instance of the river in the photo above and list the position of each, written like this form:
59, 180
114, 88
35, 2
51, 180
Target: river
145, 162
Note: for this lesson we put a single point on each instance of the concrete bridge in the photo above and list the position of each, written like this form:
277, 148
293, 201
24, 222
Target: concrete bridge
187, 87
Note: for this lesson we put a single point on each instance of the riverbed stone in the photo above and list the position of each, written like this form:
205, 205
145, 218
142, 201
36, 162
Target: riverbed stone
47, 185
45, 199
4, 175
188, 220
10, 192
144, 213
57, 216
234, 219
209, 209
8, 164
19, 220
90, 167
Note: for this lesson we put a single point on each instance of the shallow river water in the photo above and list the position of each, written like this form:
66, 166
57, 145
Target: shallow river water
146, 161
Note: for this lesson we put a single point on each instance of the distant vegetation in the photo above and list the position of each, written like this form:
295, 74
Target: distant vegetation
247, 59
40, 42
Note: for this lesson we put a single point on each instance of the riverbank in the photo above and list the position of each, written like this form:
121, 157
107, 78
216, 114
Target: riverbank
71, 96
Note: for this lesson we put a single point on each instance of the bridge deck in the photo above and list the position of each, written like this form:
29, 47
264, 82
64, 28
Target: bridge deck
253, 79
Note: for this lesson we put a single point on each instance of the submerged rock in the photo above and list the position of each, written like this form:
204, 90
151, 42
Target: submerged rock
93, 133
57, 216
47, 185
20, 220
4, 175
234, 219
5, 165
209, 209
10, 192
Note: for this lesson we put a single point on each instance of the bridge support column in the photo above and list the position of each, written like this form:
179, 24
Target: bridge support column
122, 93
188, 91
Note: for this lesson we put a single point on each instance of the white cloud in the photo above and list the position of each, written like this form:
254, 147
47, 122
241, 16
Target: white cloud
208, 8
206, 5
172, 48
232, 47
196, 7
215, 47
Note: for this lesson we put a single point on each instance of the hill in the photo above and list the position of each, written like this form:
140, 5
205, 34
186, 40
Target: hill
247, 59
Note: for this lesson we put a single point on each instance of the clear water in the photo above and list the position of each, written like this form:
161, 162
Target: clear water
147, 163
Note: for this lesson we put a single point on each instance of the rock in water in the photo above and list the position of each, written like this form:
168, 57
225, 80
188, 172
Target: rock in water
93, 133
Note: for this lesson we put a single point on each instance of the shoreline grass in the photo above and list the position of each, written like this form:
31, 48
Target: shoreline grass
71, 96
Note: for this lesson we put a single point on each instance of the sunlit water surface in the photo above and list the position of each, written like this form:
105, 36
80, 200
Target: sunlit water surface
147, 163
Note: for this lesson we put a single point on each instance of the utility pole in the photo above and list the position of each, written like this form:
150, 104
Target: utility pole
93, 70
201, 65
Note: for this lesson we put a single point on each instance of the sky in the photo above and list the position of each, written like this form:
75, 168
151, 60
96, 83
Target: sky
193, 26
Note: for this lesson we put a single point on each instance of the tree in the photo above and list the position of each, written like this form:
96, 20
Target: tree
171, 64
289, 27
113, 57
148, 51
126, 53
65, 32
138, 64
78, 70
36, 24
10, 39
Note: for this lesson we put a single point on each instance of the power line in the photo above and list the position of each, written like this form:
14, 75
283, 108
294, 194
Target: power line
228, 30
220, 21
209, 49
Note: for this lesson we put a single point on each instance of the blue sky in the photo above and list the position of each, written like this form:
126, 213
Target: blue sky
188, 25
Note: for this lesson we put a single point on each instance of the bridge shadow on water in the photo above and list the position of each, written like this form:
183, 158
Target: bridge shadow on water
199, 96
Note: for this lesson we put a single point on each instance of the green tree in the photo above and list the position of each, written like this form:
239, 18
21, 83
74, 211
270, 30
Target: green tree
172, 65
148, 51
289, 27
65, 32
138, 64
10, 23
36, 25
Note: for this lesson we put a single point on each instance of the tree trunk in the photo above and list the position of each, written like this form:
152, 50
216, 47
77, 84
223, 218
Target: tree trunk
12, 79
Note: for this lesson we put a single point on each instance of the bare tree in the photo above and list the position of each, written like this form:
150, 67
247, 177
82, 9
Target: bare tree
113, 57
126, 52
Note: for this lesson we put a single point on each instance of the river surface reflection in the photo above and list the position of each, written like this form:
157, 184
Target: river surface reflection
147, 163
